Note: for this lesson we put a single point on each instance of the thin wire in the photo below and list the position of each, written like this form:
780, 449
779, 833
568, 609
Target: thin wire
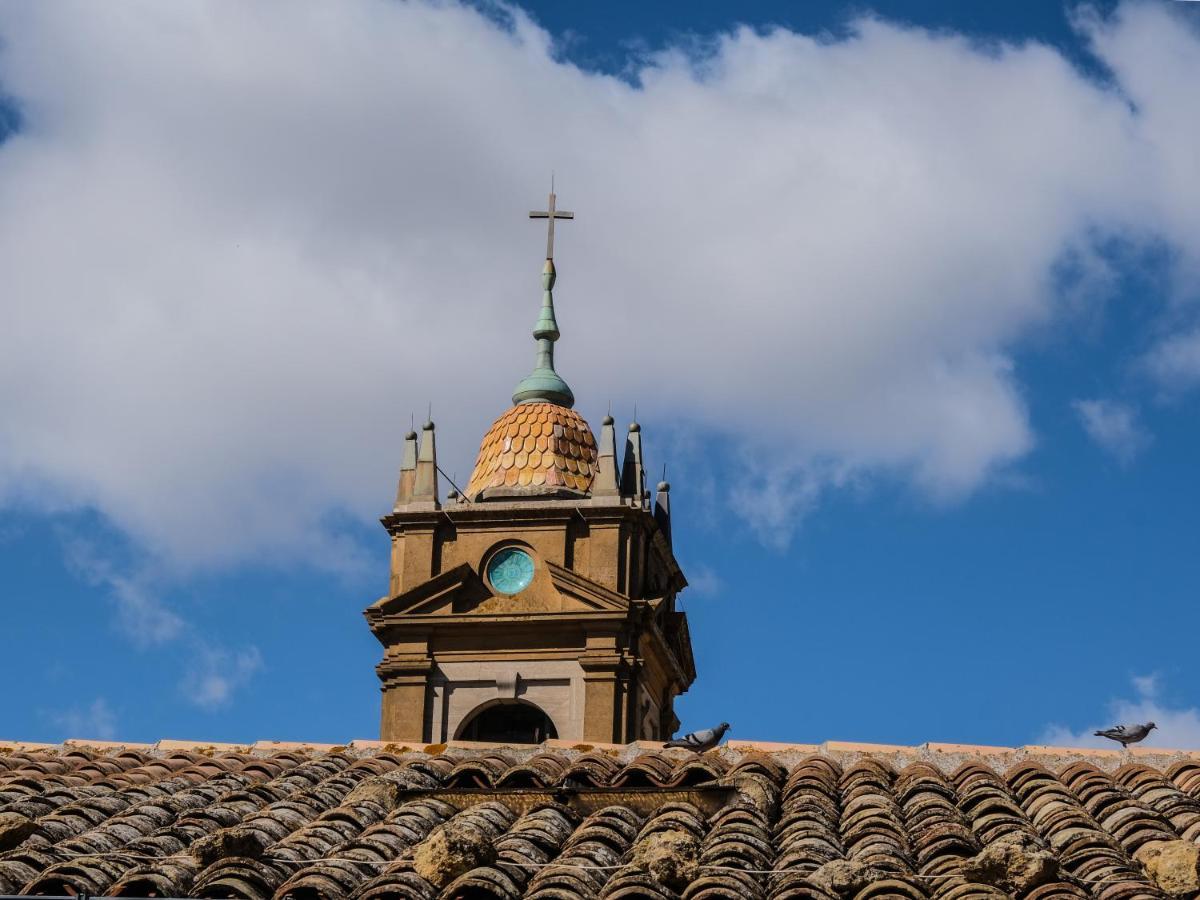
461, 495
901, 876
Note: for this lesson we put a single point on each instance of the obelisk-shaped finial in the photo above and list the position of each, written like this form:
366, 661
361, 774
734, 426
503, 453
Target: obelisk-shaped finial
425, 485
633, 472
662, 508
408, 471
607, 482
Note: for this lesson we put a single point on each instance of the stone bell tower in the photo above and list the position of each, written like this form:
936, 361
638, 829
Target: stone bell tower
540, 603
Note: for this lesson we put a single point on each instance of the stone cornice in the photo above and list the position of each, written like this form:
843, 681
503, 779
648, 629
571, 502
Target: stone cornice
520, 512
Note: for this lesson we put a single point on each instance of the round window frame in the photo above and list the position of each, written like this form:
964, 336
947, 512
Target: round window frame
491, 557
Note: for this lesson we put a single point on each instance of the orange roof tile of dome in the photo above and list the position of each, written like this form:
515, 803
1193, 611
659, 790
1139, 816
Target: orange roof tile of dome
535, 449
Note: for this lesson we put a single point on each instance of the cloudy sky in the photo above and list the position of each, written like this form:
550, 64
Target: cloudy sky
908, 301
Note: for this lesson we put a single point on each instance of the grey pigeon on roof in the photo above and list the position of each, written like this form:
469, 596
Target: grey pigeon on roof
700, 741
1127, 734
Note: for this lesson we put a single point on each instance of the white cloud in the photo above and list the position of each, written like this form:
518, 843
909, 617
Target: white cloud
214, 673
1114, 426
1175, 361
1147, 686
773, 501
242, 241
211, 674
141, 613
96, 721
1178, 727
703, 581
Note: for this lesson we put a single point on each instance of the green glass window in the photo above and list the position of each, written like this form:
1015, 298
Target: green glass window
510, 570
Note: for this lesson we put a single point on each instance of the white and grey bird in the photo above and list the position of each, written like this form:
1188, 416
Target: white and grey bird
701, 740
1127, 734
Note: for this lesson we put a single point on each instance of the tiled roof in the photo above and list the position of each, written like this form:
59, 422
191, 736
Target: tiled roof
535, 448
561, 821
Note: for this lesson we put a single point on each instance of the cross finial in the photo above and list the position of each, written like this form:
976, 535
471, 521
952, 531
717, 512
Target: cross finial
550, 213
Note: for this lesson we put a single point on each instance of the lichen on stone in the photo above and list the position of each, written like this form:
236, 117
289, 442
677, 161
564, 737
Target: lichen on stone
845, 877
381, 790
755, 790
1014, 863
450, 850
672, 858
1173, 866
14, 828
237, 840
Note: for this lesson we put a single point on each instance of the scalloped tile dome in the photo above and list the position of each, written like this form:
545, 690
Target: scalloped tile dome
535, 449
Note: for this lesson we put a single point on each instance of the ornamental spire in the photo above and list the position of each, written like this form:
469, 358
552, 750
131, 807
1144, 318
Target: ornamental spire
633, 472
543, 384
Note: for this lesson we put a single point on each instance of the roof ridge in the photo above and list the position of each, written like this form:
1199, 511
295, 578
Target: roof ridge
930, 749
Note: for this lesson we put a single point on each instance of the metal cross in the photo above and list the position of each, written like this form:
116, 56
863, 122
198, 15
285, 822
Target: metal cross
550, 214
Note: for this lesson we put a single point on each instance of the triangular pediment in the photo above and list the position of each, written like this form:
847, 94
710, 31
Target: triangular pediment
584, 592
558, 591
441, 593
462, 592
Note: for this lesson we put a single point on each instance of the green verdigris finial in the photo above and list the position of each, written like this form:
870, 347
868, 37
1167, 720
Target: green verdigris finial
543, 384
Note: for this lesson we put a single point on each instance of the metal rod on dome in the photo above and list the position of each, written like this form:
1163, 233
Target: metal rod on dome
461, 495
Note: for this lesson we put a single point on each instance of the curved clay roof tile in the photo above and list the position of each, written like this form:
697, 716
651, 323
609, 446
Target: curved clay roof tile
631, 883
794, 884
647, 770
1058, 890
541, 770
762, 763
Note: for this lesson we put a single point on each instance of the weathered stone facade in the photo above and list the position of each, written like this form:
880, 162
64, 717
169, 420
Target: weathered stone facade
594, 641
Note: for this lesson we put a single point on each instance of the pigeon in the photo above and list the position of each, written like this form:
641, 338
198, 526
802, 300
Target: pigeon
1127, 734
700, 741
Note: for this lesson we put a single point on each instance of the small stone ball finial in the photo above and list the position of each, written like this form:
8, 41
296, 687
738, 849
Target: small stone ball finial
411, 436
634, 427
452, 494
664, 487
428, 426
608, 420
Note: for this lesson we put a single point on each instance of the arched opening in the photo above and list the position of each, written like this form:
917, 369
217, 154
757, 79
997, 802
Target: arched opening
511, 722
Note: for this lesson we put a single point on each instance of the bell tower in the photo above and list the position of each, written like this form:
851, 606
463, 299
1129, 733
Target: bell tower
541, 602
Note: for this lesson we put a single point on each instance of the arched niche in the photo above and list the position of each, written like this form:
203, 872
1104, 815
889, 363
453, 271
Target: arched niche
508, 722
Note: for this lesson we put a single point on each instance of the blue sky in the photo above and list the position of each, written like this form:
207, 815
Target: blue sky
908, 306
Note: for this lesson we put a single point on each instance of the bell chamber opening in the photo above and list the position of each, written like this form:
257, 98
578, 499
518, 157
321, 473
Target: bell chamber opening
511, 722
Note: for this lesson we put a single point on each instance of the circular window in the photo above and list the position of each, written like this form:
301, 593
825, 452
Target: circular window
510, 570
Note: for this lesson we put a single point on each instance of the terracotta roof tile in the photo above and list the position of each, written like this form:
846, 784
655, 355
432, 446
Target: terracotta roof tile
552, 822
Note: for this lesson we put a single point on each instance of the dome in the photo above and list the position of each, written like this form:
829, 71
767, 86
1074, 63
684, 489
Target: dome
535, 449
